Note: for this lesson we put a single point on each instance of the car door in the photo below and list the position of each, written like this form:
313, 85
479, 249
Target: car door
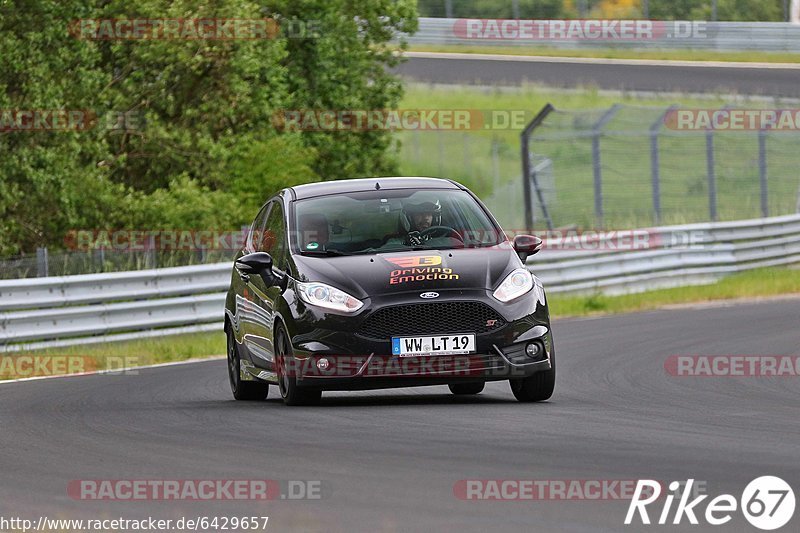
247, 311
272, 239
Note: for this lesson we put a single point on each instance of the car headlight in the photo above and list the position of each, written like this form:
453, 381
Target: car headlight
328, 297
517, 283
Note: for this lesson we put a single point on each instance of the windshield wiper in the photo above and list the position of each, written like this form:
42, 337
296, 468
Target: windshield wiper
389, 250
323, 252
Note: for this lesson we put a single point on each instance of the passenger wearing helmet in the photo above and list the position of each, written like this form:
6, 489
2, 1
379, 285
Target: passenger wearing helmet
418, 217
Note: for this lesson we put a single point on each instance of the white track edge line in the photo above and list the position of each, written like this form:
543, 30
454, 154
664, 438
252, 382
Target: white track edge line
116, 370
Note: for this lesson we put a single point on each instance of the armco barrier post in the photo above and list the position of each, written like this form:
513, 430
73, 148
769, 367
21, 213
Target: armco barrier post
597, 171
440, 141
495, 163
797, 204
527, 169
762, 172
99, 259
712, 177
654, 170
597, 164
655, 166
42, 267
467, 150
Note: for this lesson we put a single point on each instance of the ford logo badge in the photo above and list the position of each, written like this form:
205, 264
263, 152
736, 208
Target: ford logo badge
428, 295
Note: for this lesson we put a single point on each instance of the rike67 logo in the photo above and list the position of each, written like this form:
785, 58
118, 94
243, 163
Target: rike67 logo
767, 503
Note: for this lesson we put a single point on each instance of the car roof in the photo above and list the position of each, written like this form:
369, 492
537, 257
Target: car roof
322, 188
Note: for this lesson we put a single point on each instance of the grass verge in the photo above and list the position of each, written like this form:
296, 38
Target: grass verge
617, 53
112, 355
761, 283
755, 284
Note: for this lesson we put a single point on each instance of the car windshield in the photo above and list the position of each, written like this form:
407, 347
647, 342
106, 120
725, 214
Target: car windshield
391, 220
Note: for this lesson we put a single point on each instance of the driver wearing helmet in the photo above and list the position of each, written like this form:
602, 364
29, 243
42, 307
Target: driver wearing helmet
417, 218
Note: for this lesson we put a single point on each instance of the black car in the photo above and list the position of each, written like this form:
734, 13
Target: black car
384, 282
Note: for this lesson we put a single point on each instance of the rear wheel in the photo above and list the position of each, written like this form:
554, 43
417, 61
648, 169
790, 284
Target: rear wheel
538, 387
287, 374
242, 390
461, 389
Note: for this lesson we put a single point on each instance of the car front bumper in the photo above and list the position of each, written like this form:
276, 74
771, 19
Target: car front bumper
336, 355
381, 371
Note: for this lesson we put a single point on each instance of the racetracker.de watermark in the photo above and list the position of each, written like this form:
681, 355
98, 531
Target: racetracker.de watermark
431, 365
544, 489
577, 30
616, 240
62, 120
733, 366
778, 120
360, 120
208, 29
39, 365
136, 240
193, 489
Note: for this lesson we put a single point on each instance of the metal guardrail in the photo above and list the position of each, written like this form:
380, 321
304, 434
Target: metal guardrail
102, 319
59, 291
61, 311
45, 312
724, 36
678, 256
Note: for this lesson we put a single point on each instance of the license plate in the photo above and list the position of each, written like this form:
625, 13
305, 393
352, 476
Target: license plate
458, 344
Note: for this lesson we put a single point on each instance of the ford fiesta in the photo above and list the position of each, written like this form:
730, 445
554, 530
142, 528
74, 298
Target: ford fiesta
384, 282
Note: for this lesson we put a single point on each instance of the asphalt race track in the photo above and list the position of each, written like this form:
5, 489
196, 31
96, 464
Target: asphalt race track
388, 460
647, 77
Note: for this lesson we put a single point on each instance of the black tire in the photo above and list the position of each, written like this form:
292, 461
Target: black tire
538, 387
462, 389
291, 393
242, 390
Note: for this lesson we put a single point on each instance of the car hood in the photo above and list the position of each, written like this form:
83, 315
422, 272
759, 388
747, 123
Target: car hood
423, 270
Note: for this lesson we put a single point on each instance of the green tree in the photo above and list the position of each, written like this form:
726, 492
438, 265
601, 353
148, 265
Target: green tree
673, 9
46, 176
742, 10
203, 152
344, 67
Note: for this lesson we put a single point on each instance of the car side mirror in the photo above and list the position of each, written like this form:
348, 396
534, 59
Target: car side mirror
257, 263
527, 245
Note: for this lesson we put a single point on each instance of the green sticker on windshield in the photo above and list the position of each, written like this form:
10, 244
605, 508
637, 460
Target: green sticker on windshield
312, 246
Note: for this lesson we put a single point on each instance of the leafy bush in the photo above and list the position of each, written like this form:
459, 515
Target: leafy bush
200, 149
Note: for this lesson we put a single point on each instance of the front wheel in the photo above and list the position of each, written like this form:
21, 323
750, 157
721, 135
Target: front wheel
286, 370
242, 390
538, 387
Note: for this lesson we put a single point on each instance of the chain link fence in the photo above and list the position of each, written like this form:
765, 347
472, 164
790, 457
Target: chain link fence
630, 166
615, 168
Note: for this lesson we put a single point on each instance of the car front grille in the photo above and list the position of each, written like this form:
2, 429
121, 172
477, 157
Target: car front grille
431, 318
